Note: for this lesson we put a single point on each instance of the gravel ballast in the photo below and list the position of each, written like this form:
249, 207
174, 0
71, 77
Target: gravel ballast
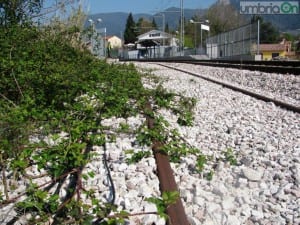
264, 187
284, 87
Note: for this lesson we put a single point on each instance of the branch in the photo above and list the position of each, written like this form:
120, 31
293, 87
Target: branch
6, 202
131, 214
10, 101
12, 72
53, 8
4, 178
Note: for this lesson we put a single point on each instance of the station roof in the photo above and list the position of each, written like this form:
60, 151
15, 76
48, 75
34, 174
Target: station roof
272, 47
154, 35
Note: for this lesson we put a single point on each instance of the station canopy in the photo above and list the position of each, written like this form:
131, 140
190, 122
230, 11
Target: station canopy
153, 38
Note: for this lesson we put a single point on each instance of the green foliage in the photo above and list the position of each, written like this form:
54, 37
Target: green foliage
174, 146
186, 118
209, 175
15, 11
189, 41
39, 201
48, 87
268, 32
162, 98
201, 161
129, 33
168, 198
185, 111
144, 25
180, 105
136, 156
61, 158
1, 197
177, 149
230, 157
223, 17
154, 25
124, 127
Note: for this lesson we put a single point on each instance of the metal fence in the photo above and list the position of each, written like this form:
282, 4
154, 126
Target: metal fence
240, 42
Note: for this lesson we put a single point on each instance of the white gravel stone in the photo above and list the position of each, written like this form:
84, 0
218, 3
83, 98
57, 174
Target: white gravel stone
228, 203
233, 220
251, 174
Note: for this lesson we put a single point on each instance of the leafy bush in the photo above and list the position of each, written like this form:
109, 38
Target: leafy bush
48, 87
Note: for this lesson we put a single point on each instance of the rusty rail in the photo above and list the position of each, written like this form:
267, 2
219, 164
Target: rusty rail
260, 96
166, 178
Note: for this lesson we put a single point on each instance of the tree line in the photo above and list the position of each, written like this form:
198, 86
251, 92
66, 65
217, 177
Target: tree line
222, 17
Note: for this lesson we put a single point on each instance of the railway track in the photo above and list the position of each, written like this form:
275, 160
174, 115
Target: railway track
283, 67
176, 212
243, 90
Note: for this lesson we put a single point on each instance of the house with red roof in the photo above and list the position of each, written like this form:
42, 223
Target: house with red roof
272, 51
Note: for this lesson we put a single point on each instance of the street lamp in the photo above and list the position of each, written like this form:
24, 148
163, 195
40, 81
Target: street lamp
163, 24
163, 20
202, 27
93, 30
181, 27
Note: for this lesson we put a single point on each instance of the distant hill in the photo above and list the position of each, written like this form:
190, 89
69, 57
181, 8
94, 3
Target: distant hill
115, 22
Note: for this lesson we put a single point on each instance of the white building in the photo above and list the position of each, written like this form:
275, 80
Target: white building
156, 43
114, 42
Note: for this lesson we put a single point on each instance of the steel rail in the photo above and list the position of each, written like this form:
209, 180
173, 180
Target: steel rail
176, 212
277, 102
267, 68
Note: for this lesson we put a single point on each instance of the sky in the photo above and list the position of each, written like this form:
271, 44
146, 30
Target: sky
141, 6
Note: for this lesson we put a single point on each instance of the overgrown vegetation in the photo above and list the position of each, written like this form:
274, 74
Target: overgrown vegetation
47, 88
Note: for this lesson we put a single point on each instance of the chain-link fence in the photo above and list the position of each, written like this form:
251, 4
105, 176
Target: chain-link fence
234, 44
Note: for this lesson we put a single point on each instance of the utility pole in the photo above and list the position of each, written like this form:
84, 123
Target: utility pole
258, 36
181, 28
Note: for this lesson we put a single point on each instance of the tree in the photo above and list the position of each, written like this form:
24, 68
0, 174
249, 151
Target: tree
129, 33
154, 25
167, 29
21, 11
144, 25
268, 33
18, 11
223, 17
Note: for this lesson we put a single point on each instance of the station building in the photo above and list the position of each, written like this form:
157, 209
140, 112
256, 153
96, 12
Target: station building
154, 44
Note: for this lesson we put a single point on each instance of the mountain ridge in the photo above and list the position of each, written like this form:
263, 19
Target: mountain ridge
115, 22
